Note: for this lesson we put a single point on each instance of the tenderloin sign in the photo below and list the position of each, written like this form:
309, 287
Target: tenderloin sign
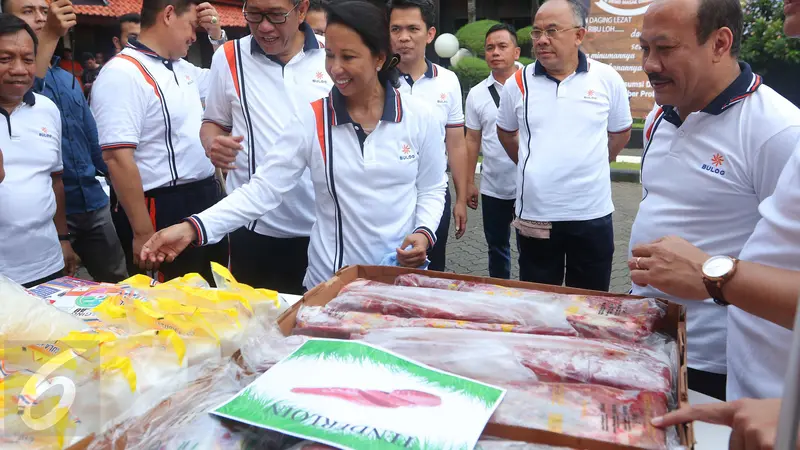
613, 38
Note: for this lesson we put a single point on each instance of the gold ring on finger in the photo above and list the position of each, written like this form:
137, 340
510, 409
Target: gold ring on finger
638, 267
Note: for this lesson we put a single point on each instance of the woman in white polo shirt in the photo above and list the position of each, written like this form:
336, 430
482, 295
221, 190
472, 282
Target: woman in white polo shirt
376, 160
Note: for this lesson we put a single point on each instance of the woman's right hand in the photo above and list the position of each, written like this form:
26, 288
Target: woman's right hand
167, 244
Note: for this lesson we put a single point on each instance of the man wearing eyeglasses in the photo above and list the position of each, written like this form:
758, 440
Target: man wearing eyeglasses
255, 83
147, 103
572, 117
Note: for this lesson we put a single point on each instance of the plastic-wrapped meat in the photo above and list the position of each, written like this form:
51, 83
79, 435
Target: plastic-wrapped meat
588, 411
502, 358
590, 315
412, 303
322, 322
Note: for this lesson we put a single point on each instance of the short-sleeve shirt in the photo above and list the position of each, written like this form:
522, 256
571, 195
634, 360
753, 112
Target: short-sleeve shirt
759, 350
731, 155
147, 102
254, 95
498, 171
440, 89
563, 172
30, 139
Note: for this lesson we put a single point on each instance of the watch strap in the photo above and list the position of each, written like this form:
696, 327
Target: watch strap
714, 289
64, 237
223, 38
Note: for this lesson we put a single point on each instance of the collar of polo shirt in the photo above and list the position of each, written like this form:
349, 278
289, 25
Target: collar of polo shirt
392, 109
141, 48
583, 66
431, 72
310, 43
744, 85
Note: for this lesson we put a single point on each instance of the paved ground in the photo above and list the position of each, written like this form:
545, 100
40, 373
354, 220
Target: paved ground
468, 255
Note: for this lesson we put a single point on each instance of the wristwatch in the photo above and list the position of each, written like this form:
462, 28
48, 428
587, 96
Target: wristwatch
64, 237
223, 38
717, 270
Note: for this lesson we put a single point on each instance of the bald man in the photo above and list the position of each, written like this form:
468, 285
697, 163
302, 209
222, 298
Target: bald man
713, 152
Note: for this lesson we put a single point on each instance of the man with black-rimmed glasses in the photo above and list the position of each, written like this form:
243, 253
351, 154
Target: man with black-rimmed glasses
255, 83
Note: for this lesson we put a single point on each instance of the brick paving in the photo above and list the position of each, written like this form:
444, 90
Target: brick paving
468, 255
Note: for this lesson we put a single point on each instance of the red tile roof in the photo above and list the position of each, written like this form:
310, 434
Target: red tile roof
229, 14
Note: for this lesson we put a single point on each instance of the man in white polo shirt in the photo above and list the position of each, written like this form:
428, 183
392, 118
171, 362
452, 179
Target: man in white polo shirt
411, 26
498, 172
255, 84
713, 152
573, 117
34, 238
147, 103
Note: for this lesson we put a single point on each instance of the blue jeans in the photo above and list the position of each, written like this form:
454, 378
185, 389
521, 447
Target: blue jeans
586, 245
497, 217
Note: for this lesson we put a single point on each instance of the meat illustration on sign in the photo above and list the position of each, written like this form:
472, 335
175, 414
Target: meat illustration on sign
403, 398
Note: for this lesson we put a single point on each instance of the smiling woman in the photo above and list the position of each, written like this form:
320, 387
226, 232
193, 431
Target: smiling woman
375, 158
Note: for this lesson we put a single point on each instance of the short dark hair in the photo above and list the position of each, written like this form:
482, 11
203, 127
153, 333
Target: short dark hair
371, 23
11, 24
503, 27
426, 8
316, 5
715, 14
151, 9
127, 18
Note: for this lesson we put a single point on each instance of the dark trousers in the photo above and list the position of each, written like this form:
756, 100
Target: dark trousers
267, 262
438, 254
95, 240
50, 277
168, 206
497, 217
709, 383
587, 246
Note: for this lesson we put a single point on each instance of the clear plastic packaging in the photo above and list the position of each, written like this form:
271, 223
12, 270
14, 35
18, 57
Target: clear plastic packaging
591, 316
519, 358
588, 411
25, 318
500, 444
320, 321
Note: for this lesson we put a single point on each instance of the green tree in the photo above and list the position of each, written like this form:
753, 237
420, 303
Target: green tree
764, 44
473, 35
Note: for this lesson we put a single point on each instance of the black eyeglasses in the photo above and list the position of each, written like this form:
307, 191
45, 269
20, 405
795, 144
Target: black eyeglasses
273, 18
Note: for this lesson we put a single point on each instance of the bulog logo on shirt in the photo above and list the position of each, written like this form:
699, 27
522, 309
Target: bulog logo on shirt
43, 133
442, 99
319, 78
590, 95
407, 154
716, 164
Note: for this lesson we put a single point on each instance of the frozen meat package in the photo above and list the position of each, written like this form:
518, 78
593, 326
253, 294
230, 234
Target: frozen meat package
593, 316
518, 358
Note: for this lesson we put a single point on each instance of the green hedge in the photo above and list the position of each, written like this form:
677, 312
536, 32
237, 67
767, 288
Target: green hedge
472, 36
524, 36
471, 71
525, 60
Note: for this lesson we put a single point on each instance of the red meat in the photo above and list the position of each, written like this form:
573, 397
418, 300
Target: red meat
322, 322
591, 316
587, 411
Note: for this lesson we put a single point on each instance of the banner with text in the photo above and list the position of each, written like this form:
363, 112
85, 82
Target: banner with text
613, 38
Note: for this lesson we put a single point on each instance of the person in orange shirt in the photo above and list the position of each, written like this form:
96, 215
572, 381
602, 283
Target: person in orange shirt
68, 64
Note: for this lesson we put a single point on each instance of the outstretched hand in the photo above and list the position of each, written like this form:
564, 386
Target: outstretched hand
167, 244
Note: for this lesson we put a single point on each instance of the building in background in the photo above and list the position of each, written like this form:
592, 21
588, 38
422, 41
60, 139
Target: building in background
97, 24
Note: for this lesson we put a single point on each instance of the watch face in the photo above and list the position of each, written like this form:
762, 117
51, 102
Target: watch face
717, 266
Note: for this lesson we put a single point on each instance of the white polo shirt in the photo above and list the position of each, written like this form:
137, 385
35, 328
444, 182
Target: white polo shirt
144, 101
253, 95
439, 88
563, 172
371, 191
498, 171
758, 350
703, 180
31, 144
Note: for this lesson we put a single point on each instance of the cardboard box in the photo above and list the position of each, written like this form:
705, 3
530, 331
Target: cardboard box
673, 324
